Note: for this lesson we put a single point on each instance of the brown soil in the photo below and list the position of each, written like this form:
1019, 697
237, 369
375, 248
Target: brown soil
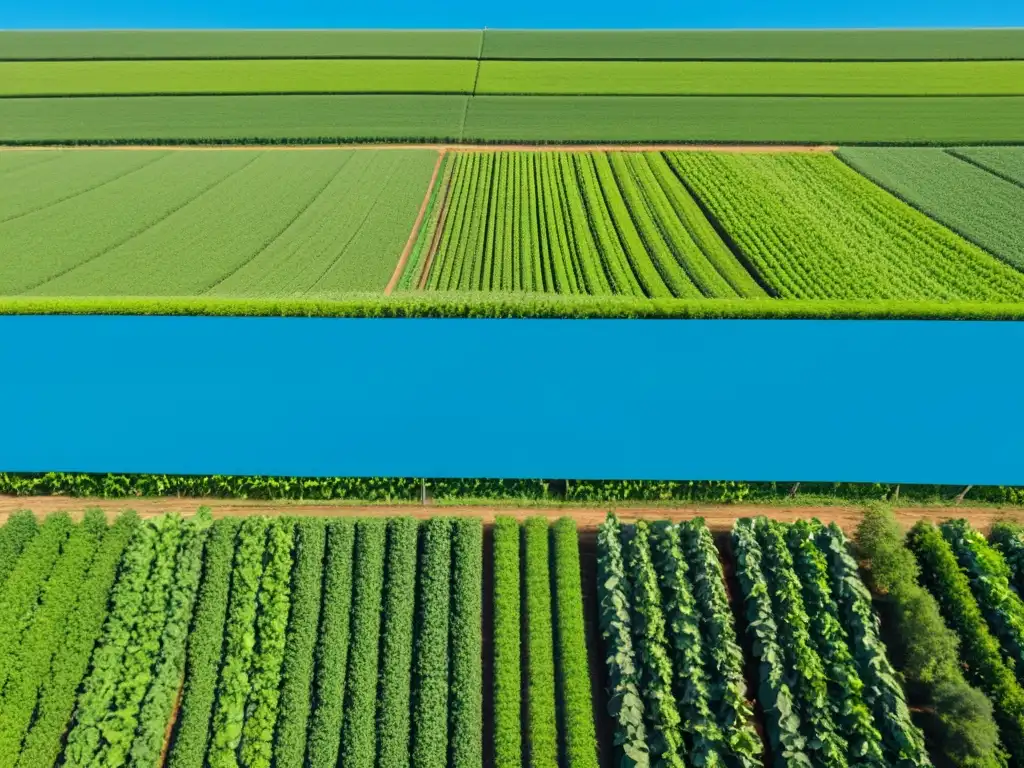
171, 722
445, 147
404, 258
719, 517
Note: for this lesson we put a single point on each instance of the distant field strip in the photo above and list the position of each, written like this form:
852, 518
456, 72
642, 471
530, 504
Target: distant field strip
982, 207
75, 78
655, 78
518, 119
813, 228
579, 223
1007, 162
824, 45
245, 224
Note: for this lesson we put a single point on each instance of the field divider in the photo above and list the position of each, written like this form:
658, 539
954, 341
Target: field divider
428, 261
404, 258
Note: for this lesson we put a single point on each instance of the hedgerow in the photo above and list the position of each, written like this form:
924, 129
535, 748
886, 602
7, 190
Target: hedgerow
723, 657
465, 631
979, 649
395, 705
170, 664
239, 644
82, 624
580, 739
203, 658
624, 701
85, 738
430, 662
824, 745
21, 592
686, 648
664, 734
966, 733
846, 692
902, 740
507, 658
14, 535
303, 622
542, 733
781, 709
32, 657
332, 647
990, 582
358, 739
271, 635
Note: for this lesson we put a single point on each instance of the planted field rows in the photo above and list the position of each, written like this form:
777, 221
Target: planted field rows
295, 641
696, 224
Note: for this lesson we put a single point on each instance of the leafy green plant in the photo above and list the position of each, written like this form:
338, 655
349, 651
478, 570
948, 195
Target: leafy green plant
465, 694
430, 662
723, 657
203, 658
332, 647
507, 630
542, 733
15, 534
358, 737
395, 705
1008, 538
625, 704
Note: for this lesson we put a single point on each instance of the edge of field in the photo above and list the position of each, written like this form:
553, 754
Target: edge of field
719, 517
436, 146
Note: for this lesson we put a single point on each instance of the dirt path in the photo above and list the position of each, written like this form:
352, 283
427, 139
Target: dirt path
404, 258
435, 147
718, 517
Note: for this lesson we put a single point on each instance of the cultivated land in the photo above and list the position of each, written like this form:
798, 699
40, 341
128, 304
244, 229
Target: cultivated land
302, 639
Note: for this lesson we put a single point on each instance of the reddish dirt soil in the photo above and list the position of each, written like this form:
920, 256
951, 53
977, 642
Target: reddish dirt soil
719, 517
171, 723
451, 147
404, 258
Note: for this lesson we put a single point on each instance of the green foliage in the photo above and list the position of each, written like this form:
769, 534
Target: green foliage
239, 644
846, 690
395, 704
358, 737
14, 536
430, 662
203, 658
85, 739
625, 704
24, 585
656, 678
300, 643
775, 691
507, 631
271, 635
542, 734
82, 625
466, 686
1008, 538
705, 739
32, 657
159, 701
332, 648
979, 649
580, 739
722, 656
883, 692
1005, 162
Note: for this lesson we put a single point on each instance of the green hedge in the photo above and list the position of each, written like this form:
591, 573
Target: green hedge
453, 305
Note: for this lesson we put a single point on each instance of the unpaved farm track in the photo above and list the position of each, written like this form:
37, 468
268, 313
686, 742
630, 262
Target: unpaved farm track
719, 517
435, 147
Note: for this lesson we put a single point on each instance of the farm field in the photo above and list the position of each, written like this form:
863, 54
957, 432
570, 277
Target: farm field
902, 87
1006, 162
970, 200
293, 640
245, 223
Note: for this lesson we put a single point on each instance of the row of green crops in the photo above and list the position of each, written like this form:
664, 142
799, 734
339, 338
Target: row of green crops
575, 223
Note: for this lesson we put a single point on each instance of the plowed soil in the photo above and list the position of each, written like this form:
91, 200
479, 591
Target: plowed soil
719, 517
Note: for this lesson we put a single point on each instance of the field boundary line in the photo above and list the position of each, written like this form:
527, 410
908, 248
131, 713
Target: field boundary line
403, 259
428, 262
955, 152
435, 146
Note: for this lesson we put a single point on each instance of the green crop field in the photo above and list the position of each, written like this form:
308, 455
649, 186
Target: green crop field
978, 204
774, 78
191, 222
1007, 162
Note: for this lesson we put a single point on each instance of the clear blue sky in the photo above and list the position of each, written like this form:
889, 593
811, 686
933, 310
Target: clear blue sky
297, 14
